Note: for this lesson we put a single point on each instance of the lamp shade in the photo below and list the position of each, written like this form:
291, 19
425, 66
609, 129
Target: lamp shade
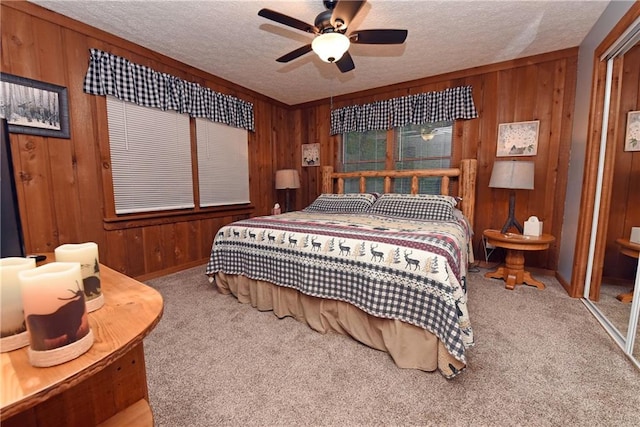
513, 174
330, 46
287, 178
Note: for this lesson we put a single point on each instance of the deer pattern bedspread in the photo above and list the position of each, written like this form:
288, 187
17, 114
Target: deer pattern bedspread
413, 271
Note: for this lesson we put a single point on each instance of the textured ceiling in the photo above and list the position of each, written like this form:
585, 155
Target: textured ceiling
229, 40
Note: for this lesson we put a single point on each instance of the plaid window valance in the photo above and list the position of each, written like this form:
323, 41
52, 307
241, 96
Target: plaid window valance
116, 76
449, 104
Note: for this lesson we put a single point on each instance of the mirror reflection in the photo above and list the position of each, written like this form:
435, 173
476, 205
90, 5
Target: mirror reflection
611, 288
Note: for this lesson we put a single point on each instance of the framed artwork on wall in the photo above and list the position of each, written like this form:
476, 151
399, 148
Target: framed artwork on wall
632, 135
33, 107
311, 154
518, 139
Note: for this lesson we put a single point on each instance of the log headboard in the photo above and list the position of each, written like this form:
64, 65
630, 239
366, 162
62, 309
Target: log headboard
333, 182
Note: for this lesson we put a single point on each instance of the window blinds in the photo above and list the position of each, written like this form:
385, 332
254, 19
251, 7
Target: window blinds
223, 164
150, 158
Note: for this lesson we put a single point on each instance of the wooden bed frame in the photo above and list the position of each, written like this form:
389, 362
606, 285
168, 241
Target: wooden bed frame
410, 346
333, 182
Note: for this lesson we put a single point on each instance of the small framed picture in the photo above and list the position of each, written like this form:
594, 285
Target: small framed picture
33, 107
632, 136
310, 154
518, 139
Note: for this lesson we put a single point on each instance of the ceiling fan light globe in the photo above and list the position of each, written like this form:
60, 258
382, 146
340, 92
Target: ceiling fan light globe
330, 46
427, 136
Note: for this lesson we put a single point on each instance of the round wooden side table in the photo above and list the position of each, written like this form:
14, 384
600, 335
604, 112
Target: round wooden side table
631, 249
513, 272
107, 385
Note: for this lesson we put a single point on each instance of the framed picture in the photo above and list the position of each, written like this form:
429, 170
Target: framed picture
310, 154
632, 136
33, 107
518, 139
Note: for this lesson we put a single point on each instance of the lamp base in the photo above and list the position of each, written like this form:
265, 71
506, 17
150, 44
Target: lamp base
511, 220
287, 203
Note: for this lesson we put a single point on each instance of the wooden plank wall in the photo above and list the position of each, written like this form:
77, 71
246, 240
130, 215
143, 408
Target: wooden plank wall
62, 181
625, 195
534, 88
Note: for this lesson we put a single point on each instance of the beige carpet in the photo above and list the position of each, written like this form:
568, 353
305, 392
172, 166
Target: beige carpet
617, 312
540, 359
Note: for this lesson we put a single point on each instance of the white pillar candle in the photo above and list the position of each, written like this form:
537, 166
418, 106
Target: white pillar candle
55, 312
87, 255
13, 329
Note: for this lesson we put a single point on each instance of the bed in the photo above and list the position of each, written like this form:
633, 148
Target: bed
389, 270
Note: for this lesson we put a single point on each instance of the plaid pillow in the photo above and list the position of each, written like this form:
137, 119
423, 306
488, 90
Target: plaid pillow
344, 203
415, 206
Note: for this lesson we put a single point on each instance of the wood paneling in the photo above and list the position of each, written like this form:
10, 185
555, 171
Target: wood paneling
613, 200
65, 190
537, 88
625, 185
65, 186
582, 256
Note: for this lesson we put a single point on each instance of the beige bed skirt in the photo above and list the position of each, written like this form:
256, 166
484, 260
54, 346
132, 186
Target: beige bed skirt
409, 346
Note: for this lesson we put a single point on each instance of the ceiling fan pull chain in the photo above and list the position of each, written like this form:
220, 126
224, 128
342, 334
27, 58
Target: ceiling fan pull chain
330, 96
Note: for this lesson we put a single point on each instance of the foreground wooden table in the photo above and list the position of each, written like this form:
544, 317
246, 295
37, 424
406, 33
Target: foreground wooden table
513, 272
107, 384
631, 249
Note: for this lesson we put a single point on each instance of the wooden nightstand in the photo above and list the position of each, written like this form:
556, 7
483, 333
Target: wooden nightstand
631, 249
513, 272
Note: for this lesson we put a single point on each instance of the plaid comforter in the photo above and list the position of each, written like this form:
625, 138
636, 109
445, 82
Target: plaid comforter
413, 271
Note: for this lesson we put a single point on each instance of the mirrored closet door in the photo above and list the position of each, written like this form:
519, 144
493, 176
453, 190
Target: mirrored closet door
612, 289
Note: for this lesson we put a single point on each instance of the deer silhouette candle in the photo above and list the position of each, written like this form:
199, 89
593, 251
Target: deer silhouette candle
87, 255
13, 329
55, 313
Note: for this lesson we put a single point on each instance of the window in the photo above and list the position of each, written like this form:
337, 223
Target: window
150, 158
223, 164
426, 146
364, 151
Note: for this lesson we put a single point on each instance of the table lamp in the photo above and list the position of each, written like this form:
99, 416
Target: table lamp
286, 179
514, 175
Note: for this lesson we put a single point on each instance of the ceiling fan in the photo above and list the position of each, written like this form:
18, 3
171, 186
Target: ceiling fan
331, 44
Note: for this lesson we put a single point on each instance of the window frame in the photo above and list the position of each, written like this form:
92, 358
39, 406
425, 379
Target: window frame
149, 148
391, 149
217, 135
114, 222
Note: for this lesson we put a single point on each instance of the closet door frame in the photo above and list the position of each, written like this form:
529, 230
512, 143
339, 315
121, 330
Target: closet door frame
598, 178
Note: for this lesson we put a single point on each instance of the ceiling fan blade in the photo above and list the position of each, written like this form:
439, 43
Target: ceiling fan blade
345, 63
378, 36
295, 54
287, 20
344, 11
